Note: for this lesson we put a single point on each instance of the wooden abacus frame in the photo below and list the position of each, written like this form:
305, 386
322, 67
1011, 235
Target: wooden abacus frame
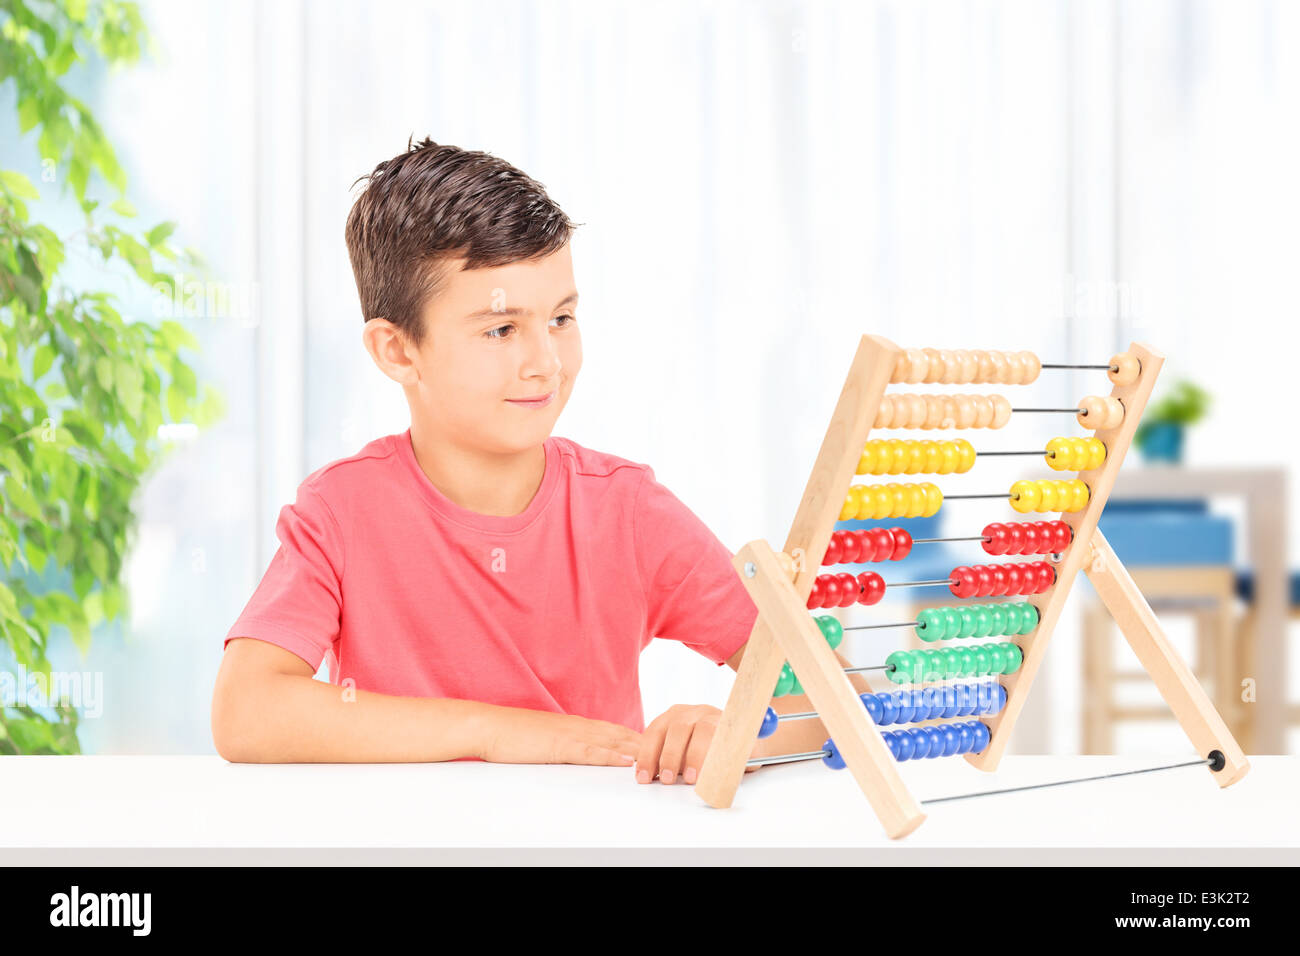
779, 583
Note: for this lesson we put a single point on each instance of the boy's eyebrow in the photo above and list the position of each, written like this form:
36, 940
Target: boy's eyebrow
569, 299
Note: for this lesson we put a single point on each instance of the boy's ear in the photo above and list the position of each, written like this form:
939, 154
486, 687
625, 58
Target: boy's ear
390, 350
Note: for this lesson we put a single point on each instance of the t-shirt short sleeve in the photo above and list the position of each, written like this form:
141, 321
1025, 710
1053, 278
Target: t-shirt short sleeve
693, 594
299, 602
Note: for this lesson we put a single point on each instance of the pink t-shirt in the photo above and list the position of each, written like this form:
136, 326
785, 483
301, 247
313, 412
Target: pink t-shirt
407, 593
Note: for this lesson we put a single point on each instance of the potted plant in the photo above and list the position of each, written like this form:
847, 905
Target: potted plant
1160, 436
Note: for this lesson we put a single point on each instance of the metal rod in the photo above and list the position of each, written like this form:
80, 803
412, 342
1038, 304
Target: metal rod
976, 537
1040, 451
1058, 783
1004, 494
873, 667
1108, 368
787, 758
915, 584
868, 627
1074, 410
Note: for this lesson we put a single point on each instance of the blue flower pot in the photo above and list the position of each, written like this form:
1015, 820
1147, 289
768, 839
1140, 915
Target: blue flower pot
1163, 442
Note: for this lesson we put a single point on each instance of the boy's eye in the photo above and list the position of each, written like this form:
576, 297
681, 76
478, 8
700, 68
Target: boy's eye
492, 333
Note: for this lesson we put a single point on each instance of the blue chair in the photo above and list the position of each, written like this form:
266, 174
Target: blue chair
1180, 557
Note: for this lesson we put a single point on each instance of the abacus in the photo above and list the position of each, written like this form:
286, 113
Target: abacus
789, 651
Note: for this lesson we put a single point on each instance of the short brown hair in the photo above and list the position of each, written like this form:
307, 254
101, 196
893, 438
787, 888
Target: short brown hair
432, 203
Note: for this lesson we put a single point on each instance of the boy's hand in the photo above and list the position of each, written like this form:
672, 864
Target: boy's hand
676, 742
530, 736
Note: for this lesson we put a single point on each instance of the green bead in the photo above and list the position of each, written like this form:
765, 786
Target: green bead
933, 664
929, 625
951, 662
1028, 617
797, 688
952, 622
784, 682
901, 667
1015, 657
969, 619
997, 658
984, 622
981, 661
999, 616
832, 630
1012, 612
967, 658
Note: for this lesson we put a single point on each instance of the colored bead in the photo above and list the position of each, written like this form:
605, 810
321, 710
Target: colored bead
951, 662
1047, 495
1098, 456
983, 580
951, 622
929, 625
1000, 700
849, 510
795, 687
1028, 617
951, 739
981, 662
963, 582
1059, 454
966, 738
980, 731
1025, 496
1012, 612
997, 658
1124, 368
950, 703
936, 741
920, 742
967, 658
831, 629
888, 712
770, 723
872, 588
830, 590
784, 682
933, 499
849, 589
965, 455
833, 550
999, 614
900, 667
904, 705
998, 539
902, 543
999, 573
1081, 495
1014, 658
1032, 536
948, 458
832, 758
1015, 580
983, 622
906, 744
872, 703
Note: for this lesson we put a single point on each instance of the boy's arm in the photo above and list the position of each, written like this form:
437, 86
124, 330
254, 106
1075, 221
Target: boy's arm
796, 736
268, 708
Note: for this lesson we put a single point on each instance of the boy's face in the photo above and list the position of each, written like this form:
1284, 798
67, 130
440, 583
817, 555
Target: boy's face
494, 336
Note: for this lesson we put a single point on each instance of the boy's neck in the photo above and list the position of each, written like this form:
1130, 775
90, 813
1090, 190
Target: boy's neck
487, 484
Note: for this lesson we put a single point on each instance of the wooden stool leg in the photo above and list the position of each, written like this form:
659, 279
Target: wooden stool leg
1098, 683
1227, 694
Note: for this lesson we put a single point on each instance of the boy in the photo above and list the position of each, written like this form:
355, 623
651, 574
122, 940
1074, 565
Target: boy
480, 588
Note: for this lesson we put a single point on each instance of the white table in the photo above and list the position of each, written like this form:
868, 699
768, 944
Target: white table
94, 809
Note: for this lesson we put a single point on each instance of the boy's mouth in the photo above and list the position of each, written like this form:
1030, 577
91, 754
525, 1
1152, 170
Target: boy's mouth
537, 401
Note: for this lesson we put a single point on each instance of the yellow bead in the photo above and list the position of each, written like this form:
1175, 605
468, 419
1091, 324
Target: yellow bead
1058, 454
1025, 496
898, 455
898, 498
1079, 453
915, 458
933, 499
1098, 456
884, 458
1047, 495
1081, 495
862, 496
916, 501
948, 458
849, 510
867, 460
933, 457
965, 455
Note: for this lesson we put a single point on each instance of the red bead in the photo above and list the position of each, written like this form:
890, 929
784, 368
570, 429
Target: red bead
999, 572
962, 582
984, 579
999, 539
1064, 535
876, 544
848, 589
873, 587
902, 544
1016, 532
830, 590
849, 542
1015, 579
833, 550
1032, 576
1032, 537
817, 593
1048, 576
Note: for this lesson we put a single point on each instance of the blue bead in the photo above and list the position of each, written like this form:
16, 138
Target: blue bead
951, 740
888, 708
949, 701
1002, 699
872, 703
982, 736
920, 742
972, 700
891, 741
985, 693
933, 701
903, 702
833, 759
906, 744
936, 741
770, 723
967, 738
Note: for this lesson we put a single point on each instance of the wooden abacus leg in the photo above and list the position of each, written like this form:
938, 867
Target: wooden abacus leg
1098, 681
1170, 673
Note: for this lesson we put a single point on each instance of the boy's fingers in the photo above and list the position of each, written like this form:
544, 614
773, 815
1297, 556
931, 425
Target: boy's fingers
676, 741
698, 750
652, 741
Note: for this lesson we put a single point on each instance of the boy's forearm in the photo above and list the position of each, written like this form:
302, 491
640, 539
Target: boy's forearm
303, 720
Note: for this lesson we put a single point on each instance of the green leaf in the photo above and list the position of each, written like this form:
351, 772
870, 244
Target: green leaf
29, 114
97, 554
41, 364
104, 372
18, 494
18, 184
177, 403
130, 387
56, 390
160, 232
177, 335
122, 207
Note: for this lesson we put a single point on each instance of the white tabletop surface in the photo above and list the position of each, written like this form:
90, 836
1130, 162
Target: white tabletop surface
206, 802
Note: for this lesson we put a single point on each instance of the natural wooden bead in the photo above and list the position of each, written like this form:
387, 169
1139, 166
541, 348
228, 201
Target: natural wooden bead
1015, 368
1114, 413
935, 368
918, 363
1032, 368
983, 411
1001, 410
965, 411
999, 362
1093, 412
1125, 368
969, 365
950, 367
885, 413
914, 411
899, 374
984, 359
938, 412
